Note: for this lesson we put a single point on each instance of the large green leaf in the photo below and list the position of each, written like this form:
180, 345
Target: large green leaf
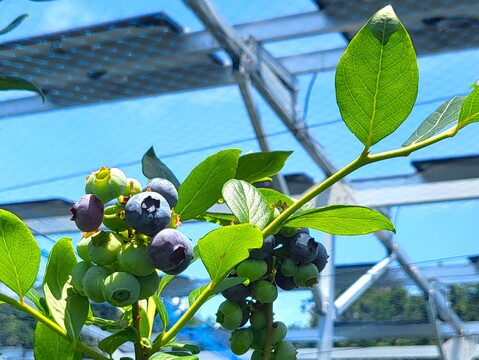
153, 167
260, 166
377, 78
162, 312
470, 108
114, 341
202, 188
13, 24
341, 220
444, 115
246, 203
60, 263
69, 309
49, 345
16, 83
222, 249
19, 254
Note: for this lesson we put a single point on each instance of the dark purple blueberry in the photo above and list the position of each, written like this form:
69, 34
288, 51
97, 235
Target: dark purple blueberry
237, 293
322, 258
265, 251
147, 212
284, 282
303, 248
170, 251
165, 188
87, 213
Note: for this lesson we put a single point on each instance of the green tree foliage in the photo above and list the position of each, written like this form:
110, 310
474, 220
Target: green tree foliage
17, 328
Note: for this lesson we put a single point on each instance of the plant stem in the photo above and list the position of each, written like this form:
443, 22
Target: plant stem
140, 353
268, 344
187, 316
354, 165
78, 346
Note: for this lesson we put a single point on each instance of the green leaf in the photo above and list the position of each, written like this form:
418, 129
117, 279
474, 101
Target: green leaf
60, 263
70, 311
222, 249
377, 78
173, 356
153, 167
275, 197
261, 166
114, 341
246, 203
162, 312
16, 83
49, 345
470, 109
193, 295
342, 220
218, 218
202, 188
19, 254
144, 324
194, 349
444, 115
39, 301
13, 24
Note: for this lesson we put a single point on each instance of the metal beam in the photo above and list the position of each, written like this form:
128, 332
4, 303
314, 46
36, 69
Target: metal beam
411, 192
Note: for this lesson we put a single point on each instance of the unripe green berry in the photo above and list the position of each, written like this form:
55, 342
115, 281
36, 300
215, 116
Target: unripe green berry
279, 332
106, 184
93, 283
78, 272
104, 247
252, 269
289, 267
258, 319
133, 258
82, 248
132, 187
229, 315
148, 285
114, 218
121, 289
306, 276
265, 292
285, 351
241, 340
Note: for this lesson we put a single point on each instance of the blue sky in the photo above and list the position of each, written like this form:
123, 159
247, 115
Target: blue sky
47, 155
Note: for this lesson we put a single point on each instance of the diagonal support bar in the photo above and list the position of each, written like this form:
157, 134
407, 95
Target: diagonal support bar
267, 75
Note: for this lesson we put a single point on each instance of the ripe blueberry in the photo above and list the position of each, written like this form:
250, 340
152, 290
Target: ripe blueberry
322, 258
147, 212
87, 213
165, 188
265, 250
170, 251
303, 248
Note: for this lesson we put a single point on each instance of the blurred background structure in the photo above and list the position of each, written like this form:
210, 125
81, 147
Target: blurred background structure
193, 77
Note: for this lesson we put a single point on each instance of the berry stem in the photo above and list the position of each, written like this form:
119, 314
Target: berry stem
140, 352
158, 343
269, 332
77, 345
363, 159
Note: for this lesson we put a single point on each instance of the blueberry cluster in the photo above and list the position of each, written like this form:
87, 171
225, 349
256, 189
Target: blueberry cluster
121, 262
287, 260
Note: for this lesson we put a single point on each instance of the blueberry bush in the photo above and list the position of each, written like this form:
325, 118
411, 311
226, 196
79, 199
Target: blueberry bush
132, 245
